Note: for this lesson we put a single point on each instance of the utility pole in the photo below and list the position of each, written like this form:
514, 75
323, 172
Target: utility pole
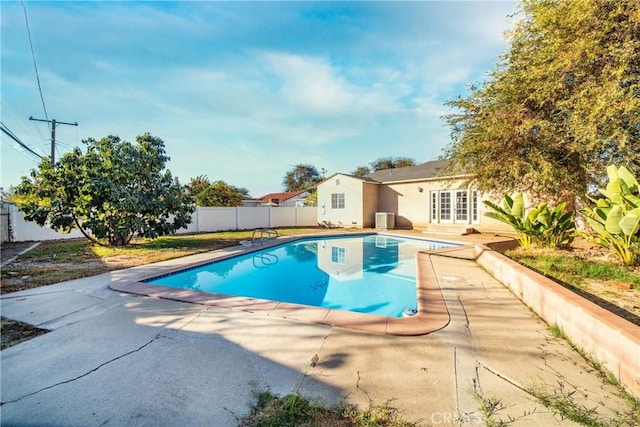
54, 123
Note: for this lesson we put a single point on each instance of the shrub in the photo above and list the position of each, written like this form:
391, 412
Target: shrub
542, 224
615, 218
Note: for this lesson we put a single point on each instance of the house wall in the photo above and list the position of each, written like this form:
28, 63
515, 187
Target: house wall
371, 200
410, 205
352, 213
410, 202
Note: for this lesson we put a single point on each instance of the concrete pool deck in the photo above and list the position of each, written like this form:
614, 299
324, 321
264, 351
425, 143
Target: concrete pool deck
120, 359
432, 310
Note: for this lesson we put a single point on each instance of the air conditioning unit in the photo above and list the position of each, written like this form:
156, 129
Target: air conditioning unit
385, 220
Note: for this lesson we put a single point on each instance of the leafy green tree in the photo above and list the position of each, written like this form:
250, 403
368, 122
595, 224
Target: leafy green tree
361, 171
197, 185
222, 194
562, 103
243, 192
301, 177
113, 191
219, 194
391, 163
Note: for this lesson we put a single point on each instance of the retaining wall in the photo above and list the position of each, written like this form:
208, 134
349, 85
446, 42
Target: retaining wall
610, 339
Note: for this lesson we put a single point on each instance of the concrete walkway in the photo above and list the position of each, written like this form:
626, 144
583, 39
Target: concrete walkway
118, 359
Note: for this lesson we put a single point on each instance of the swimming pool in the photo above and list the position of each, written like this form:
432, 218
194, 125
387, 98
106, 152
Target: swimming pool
371, 274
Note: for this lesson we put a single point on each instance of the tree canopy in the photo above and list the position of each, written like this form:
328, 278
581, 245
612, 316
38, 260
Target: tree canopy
220, 194
113, 191
391, 163
562, 104
383, 163
301, 177
217, 194
361, 171
197, 185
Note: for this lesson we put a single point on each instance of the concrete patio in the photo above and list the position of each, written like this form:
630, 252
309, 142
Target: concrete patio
119, 359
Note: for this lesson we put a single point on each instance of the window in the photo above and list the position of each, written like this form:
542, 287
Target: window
462, 206
474, 206
337, 201
338, 255
454, 206
445, 206
434, 206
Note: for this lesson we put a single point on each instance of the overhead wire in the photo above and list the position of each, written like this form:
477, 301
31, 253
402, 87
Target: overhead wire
35, 65
11, 135
8, 111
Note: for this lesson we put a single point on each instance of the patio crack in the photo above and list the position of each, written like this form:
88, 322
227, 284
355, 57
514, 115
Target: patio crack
86, 373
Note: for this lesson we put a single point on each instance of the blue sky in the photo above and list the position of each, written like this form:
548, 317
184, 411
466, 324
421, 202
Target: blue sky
243, 91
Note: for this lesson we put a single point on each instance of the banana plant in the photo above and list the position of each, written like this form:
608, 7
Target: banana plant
546, 226
557, 227
616, 218
512, 212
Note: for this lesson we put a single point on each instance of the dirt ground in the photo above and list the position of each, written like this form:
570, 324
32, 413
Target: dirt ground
9, 250
13, 332
615, 296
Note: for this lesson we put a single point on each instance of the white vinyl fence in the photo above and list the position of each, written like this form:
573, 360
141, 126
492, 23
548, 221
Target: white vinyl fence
204, 219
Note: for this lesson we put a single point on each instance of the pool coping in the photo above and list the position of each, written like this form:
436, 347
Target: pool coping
432, 312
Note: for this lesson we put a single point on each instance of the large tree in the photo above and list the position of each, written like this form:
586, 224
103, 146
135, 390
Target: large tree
217, 194
197, 185
361, 171
391, 163
563, 102
220, 194
111, 192
301, 177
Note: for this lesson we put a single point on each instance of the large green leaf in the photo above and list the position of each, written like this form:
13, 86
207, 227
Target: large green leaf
612, 225
518, 206
629, 179
630, 222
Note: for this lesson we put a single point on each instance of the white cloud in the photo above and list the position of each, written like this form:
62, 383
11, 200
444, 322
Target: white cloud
235, 87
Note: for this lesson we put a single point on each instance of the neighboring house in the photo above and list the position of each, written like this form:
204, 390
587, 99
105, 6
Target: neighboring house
250, 203
287, 199
420, 197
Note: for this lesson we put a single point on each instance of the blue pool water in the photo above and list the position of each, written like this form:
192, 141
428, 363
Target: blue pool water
367, 274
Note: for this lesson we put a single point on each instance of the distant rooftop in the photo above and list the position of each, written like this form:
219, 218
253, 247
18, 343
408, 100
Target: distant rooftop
278, 198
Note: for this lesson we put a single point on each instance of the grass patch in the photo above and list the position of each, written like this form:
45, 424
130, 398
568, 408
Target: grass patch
575, 270
61, 260
294, 410
562, 402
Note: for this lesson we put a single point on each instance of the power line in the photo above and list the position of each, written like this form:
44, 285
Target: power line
33, 56
11, 135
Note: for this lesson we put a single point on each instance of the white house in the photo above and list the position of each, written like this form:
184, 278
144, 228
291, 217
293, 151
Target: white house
419, 197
